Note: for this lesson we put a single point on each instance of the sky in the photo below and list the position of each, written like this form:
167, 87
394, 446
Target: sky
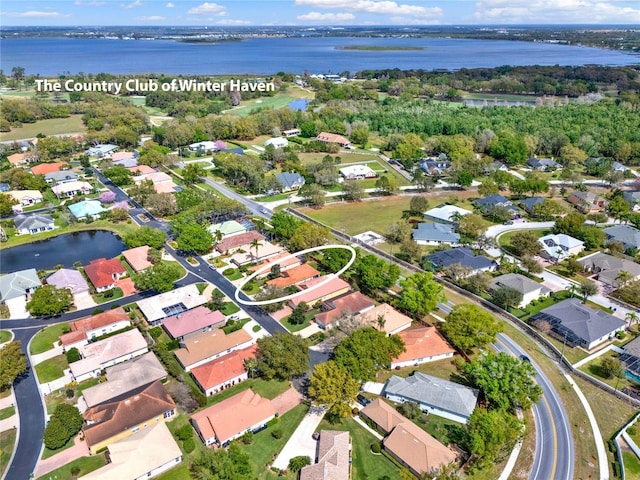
317, 12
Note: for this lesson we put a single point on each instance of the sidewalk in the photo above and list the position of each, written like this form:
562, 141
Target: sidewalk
79, 449
41, 357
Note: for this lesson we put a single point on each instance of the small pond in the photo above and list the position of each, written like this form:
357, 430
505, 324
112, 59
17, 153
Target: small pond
300, 104
63, 249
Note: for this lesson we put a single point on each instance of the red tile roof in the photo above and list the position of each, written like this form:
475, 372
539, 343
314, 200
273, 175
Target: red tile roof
192, 321
80, 327
224, 368
45, 168
101, 271
332, 138
335, 287
294, 275
349, 304
239, 240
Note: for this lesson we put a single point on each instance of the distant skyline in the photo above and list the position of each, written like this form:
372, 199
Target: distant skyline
317, 12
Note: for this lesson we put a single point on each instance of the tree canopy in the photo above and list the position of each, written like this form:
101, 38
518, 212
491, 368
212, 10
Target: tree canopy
374, 273
282, 356
49, 300
13, 363
331, 384
468, 326
152, 237
420, 294
195, 238
233, 463
160, 277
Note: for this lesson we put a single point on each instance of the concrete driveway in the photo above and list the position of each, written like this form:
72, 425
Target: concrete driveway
301, 442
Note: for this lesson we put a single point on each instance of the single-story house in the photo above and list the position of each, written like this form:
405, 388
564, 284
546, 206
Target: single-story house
277, 260
607, 268
85, 330
435, 166
618, 167
171, 303
333, 459
332, 289
225, 421
357, 172
633, 199
105, 353
191, 322
63, 176
277, 142
34, 223
294, 132
422, 345
26, 198
464, 256
241, 241
383, 415
102, 150
347, 305
295, 275
446, 213
580, 325
104, 273
435, 234
162, 182
289, 181
631, 357
386, 319
529, 289
325, 137
18, 285
207, 146
587, 202
218, 375
227, 229
528, 203
124, 378
47, 168
126, 159
132, 457
543, 164
250, 254
626, 234
86, 209
488, 203
123, 417
71, 189
141, 170
22, 158
138, 258
495, 166
206, 346
434, 395
558, 246
69, 278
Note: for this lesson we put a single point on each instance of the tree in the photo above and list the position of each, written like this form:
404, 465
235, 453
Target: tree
55, 434
314, 195
418, 205
309, 235
161, 204
255, 244
195, 238
296, 463
6, 204
152, 237
119, 175
298, 315
365, 351
360, 135
49, 300
107, 197
491, 435
233, 463
331, 384
612, 367
587, 288
420, 294
506, 297
531, 265
284, 226
13, 363
64, 424
352, 191
374, 273
468, 326
525, 244
546, 210
618, 207
192, 173
282, 356
488, 187
505, 381
572, 266
623, 278
471, 225
464, 179
386, 185
160, 277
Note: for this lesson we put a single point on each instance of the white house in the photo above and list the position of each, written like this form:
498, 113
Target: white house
529, 289
207, 146
556, 247
71, 189
277, 142
357, 172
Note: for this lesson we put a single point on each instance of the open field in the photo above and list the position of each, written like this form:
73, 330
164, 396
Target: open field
280, 100
51, 126
142, 102
345, 158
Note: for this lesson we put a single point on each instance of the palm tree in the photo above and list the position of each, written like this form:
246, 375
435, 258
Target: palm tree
380, 321
572, 288
623, 278
218, 236
631, 318
255, 244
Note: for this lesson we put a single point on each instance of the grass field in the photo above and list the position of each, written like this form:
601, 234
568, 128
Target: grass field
631, 465
7, 413
85, 464
345, 158
52, 126
142, 102
280, 100
52, 368
45, 339
5, 336
7, 443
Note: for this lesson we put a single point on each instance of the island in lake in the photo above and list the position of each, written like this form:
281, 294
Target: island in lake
379, 48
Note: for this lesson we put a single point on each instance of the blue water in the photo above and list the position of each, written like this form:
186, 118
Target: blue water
64, 249
54, 56
300, 104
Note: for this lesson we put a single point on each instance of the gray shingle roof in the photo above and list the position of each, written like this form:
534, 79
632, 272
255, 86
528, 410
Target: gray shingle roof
609, 267
516, 281
434, 391
462, 255
289, 179
626, 234
32, 222
435, 232
529, 203
61, 176
16, 284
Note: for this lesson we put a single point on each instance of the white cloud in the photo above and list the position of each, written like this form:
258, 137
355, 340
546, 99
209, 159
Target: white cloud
230, 23
554, 11
326, 17
128, 6
382, 7
89, 4
34, 14
208, 9
170, 5
152, 18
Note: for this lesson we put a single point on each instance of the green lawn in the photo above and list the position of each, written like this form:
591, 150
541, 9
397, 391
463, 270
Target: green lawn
504, 240
249, 106
180, 472
7, 443
229, 308
52, 126
232, 274
109, 295
5, 336
7, 413
266, 388
46, 338
594, 368
86, 465
631, 465
52, 368
46, 453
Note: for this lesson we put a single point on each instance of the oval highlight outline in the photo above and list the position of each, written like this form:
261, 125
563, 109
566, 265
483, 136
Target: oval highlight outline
330, 277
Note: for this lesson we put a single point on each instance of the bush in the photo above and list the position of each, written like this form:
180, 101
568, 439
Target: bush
70, 393
355, 410
155, 332
632, 430
247, 438
376, 448
272, 422
277, 434
73, 355
185, 433
229, 271
256, 328
296, 463
189, 445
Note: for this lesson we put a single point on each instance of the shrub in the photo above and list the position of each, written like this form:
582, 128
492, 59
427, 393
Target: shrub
247, 438
70, 393
296, 463
375, 447
229, 271
185, 433
272, 422
97, 311
277, 434
73, 355
155, 332
189, 445
256, 328
632, 430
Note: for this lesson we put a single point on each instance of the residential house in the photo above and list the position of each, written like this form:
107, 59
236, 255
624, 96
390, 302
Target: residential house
207, 146
333, 461
357, 172
435, 234
465, 257
170, 303
227, 229
446, 213
18, 159
34, 223
138, 258
218, 375
105, 353
87, 329
71, 189
294, 132
251, 254
70, 279
104, 273
289, 181
491, 202
495, 166
277, 260
587, 202
626, 234
102, 150
192, 322
631, 358
25, 198
633, 199
86, 209
607, 268
225, 421
325, 137
206, 346
319, 290
47, 168
578, 324
434, 395
386, 319
618, 167
347, 305
162, 182
383, 415
529, 289
528, 203
543, 164
242, 241
141, 170
435, 166
124, 416
15, 287
125, 378
125, 159
62, 176
558, 246
422, 345
133, 459
277, 142
295, 275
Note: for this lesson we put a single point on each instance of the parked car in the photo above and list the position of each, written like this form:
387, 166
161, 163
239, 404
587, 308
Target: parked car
364, 401
264, 210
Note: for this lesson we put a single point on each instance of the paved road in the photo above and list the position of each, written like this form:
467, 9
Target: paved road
254, 207
554, 457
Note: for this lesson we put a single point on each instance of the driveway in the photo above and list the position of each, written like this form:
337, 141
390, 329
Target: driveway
83, 300
301, 442
79, 449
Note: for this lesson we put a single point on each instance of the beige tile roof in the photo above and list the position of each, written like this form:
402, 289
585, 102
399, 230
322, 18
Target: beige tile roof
210, 344
394, 321
383, 415
422, 342
349, 304
333, 457
137, 258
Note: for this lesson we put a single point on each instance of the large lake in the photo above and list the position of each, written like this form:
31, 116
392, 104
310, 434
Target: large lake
53, 56
64, 249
